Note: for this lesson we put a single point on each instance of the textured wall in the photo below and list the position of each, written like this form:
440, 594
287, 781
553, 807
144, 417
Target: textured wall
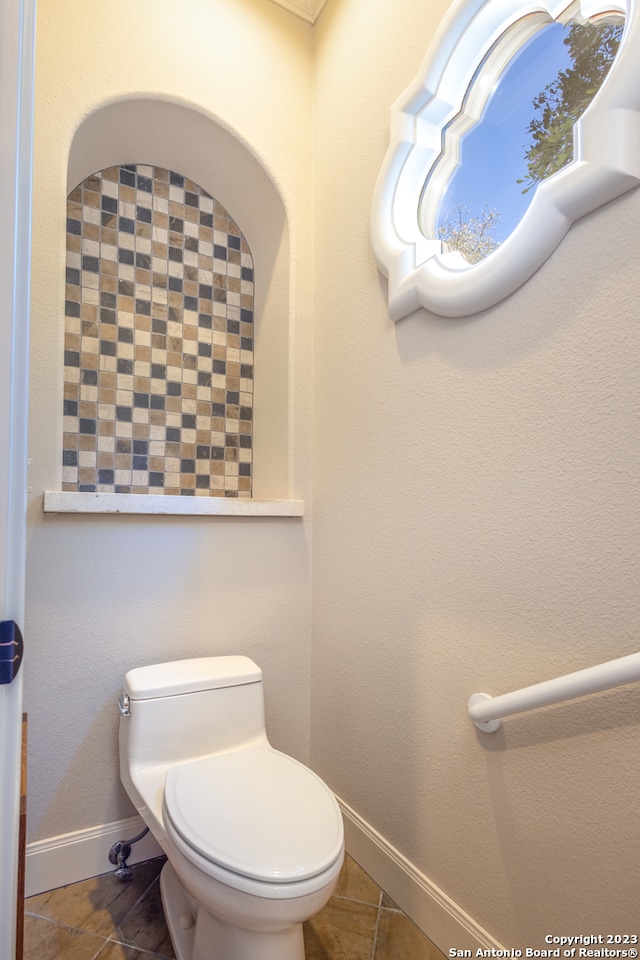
120, 84
480, 533
475, 491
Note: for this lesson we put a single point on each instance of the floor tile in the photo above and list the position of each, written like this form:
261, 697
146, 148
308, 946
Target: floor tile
355, 884
46, 940
96, 905
343, 930
399, 939
386, 901
144, 926
106, 919
118, 951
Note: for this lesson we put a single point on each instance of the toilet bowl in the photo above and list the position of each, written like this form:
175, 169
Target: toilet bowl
254, 839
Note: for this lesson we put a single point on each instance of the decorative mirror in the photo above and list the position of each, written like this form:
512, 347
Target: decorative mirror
523, 119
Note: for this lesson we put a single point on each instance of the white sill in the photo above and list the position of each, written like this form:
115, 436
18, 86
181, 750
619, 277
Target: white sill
56, 501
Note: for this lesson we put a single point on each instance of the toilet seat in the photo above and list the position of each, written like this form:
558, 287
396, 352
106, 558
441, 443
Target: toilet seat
256, 812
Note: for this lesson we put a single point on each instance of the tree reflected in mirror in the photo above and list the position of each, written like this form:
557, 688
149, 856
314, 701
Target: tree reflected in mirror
473, 237
524, 132
592, 48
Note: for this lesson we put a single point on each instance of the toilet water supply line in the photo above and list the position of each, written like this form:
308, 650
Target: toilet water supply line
120, 852
487, 712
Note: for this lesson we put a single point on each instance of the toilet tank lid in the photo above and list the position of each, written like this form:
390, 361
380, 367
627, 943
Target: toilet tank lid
189, 676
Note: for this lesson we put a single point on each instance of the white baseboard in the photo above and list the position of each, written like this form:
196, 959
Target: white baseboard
439, 918
71, 857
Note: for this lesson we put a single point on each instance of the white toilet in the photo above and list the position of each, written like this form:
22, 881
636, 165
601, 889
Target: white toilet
254, 839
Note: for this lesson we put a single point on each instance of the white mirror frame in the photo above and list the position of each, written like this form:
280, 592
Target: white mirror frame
606, 163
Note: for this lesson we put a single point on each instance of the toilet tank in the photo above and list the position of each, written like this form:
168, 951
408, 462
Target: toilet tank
184, 709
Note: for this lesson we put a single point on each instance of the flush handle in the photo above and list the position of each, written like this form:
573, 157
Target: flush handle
11, 650
124, 705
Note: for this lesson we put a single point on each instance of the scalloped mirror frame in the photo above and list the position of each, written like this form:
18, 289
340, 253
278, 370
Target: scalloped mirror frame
606, 163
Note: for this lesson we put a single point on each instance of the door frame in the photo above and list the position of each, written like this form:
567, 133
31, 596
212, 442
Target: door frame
17, 35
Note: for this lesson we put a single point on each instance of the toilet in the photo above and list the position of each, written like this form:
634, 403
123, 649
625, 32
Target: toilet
254, 839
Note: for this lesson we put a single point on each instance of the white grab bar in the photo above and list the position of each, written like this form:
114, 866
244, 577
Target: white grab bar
487, 712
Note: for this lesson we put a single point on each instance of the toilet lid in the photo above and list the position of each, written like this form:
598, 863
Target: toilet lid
257, 812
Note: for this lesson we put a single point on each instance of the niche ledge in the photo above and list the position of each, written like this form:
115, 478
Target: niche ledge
56, 501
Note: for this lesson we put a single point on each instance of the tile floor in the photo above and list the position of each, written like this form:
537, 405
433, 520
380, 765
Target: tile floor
105, 919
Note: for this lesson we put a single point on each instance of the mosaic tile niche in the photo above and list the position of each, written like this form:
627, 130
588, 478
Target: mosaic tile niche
158, 358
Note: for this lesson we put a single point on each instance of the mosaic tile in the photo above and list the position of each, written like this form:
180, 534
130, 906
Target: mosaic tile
158, 338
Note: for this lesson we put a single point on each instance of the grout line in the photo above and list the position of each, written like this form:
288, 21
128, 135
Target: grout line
117, 926
98, 936
363, 903
118, 937
67, 926
142, 950
115, 934
122, 942
100, 949
375, 932
138, 950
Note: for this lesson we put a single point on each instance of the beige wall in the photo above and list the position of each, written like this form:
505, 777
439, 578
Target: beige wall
475, 529
185, 88
474, 490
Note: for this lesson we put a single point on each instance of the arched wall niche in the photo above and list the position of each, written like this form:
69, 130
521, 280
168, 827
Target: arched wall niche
178, 137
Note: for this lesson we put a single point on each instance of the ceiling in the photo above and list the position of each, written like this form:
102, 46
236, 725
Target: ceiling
307, 9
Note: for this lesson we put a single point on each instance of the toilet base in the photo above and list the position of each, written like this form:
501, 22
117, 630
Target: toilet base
197, 935
180, 912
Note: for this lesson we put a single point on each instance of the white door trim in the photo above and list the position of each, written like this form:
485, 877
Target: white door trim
16, 121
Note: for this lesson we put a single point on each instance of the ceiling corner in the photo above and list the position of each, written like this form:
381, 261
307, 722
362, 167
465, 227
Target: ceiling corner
308, 10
